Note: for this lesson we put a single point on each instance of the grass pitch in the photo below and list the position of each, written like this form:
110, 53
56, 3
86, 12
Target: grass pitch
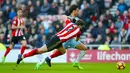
64, 68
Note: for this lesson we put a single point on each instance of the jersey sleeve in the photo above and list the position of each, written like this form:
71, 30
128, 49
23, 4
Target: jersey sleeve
14, 22
67, 22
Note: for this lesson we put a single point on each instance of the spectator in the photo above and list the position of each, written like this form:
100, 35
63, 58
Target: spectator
119, 24
1, 2
94, 8
2, 28
51, 32
7, 4
101, 30
33, 38
14, 4
128, 34
90, 28
124, 16
118, 14
61, 11
103, 20
45, 7
46, 24
53, 9
122, 6
127, 2
37, 7
12, 14
115, 42
38, 22
6, 13
108, 3
84, 4
101, 6
108, 17
41, 39
1, 37
86, 15
21, 1
7, 36
66, 5
25, 10
27, 34
99, 39
112, 28
122, 36
32, 13
2, 16
108, 40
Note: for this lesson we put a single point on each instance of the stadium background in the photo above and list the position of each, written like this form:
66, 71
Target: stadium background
108, 24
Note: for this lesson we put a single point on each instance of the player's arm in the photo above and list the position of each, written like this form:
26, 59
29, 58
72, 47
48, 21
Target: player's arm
16, 27
78, 36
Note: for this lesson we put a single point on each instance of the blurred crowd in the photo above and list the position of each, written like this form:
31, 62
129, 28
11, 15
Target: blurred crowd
43, 18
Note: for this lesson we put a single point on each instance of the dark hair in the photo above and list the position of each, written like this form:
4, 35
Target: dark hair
80, 22
72, 7
19, 8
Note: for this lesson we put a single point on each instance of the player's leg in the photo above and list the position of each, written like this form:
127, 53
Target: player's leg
48, 59
82, 49
54, 42
33, 52
78, 45
55, 53
13, 41
7, 52
23, 47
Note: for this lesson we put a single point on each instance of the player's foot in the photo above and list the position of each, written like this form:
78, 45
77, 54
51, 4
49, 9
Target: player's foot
48, 61
38, 65
3, 59
19, 58
75, 64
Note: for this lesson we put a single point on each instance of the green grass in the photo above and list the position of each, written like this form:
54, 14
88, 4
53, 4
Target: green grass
64, 68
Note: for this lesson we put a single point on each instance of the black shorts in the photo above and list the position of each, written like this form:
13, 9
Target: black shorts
54, 43
15, 40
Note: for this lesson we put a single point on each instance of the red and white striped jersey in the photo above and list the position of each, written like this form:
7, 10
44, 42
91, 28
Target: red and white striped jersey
17, 22
70, 31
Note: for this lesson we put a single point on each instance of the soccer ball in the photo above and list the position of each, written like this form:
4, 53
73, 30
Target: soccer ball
120, 65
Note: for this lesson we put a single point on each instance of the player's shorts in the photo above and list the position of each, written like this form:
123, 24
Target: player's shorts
15, 40
54, 43
72, 43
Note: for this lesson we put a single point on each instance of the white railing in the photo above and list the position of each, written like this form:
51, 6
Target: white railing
111, 46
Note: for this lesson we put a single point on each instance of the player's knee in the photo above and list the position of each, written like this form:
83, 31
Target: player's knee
11, 46
81, 47
24, 43
63, 52
42, 50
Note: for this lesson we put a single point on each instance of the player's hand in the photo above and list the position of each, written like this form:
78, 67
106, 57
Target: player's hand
22, 27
